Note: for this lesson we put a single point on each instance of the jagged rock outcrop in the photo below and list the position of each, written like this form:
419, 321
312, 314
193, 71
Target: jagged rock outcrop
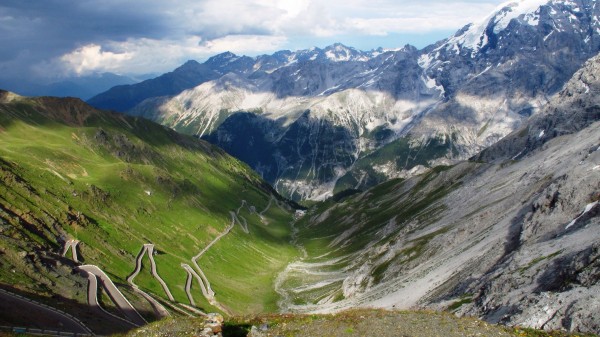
555, 290
510, 236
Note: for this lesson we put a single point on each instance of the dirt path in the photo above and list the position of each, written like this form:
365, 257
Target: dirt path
94, 274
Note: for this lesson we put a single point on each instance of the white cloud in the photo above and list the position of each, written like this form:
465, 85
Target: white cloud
91, 58
217, 18
243, 44
138, 56
416, 19
199, 29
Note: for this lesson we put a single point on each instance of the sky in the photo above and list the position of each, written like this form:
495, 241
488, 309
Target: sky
45, 40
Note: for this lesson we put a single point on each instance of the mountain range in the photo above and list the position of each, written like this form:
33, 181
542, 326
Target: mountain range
463, 177
316, 122
510, 235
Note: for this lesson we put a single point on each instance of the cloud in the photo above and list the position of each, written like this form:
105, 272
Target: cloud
414, 17
92, 58
60, 37
242, 44
137, 56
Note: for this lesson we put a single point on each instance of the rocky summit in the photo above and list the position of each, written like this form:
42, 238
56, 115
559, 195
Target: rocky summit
338, 118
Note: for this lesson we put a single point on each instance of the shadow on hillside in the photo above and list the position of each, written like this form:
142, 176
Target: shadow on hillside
55, 112
308, 148
27, 316
236, 330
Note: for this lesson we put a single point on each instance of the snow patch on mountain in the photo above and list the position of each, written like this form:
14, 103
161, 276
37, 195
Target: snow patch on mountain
475, 36
588, 208
514, 9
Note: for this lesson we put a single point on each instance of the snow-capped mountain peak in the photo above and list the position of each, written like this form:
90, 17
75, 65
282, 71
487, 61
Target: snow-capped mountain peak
476, 36
340, 53
512, 10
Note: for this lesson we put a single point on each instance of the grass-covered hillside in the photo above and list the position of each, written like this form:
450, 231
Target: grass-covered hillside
68, 171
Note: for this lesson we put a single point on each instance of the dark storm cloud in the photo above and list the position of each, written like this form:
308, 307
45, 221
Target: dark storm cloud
33, 31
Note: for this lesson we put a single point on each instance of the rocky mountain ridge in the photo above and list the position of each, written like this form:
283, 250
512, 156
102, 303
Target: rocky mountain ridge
510, 236
391, 113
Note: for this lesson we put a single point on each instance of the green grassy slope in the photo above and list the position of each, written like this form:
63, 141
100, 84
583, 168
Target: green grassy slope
115, 183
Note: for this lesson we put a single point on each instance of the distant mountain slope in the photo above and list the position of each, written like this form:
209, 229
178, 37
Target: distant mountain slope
124, 97
511, 236
115, 183
83, 87
392, 113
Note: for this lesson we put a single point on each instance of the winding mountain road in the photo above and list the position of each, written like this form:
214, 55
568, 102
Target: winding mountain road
42, 315
188, 285
158, 308
73, 245
94, 273
210, 294
261, 214
197, 272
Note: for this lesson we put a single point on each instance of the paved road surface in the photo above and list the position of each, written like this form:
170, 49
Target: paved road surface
193, 273
73, 245
149, 248
40, 315
94, 273
158, 308
188, 285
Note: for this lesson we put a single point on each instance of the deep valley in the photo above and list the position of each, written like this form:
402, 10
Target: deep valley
452, 190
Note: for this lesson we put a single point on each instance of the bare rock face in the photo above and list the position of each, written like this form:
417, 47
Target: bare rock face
574, 108
511, 236
337, 118
548, 276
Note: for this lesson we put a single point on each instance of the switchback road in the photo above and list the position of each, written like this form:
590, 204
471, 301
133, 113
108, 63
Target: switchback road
94, 274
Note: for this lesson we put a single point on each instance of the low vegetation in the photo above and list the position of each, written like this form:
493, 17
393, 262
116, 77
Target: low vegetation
361, 322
